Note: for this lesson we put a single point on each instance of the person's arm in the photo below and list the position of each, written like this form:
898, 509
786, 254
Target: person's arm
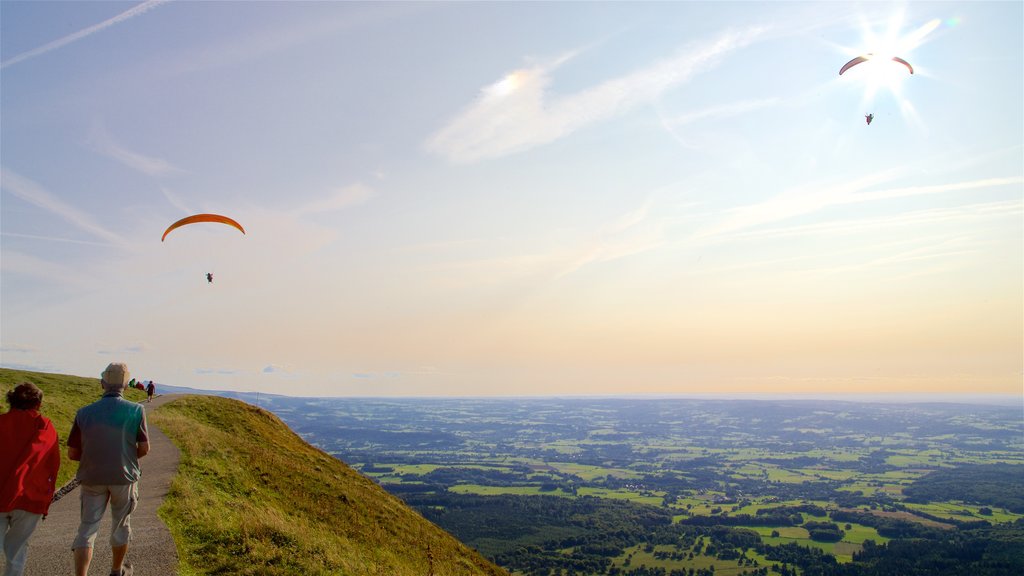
75, 443
142, 437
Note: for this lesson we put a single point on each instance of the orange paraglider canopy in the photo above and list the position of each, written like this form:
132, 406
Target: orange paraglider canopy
202, 218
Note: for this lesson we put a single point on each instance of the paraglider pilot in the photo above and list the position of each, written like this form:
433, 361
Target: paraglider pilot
868, 118
209, 277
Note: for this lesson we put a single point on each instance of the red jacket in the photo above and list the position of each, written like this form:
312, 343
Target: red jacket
29, 460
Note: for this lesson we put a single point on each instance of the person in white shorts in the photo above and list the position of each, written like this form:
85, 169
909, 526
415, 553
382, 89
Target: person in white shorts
107, 439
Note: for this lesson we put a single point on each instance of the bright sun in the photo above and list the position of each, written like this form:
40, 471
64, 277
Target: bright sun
880, 72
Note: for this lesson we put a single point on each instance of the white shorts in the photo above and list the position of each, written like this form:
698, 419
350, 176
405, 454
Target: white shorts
122, 497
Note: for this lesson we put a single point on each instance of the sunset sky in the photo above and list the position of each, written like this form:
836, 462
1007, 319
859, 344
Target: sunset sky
516, 198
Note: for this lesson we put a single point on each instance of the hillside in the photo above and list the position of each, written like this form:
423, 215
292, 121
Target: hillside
251, 497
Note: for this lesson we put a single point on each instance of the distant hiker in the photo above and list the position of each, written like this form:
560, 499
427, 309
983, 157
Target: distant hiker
209, 277
29, 460
108, 438
150, 390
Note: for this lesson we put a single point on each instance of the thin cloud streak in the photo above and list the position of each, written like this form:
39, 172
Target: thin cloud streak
920, 217
806, 200
104, 144
33, 193
19, 263
54, 239
61, 42
723, 111
342, 198
935, 189
630, 235
176, 201
516, 113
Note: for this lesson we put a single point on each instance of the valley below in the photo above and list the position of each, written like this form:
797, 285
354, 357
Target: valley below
683, 486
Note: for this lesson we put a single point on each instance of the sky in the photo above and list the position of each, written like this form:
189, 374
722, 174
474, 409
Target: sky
517, 198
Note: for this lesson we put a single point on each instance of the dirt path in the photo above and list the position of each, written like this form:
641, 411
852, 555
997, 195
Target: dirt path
152, 551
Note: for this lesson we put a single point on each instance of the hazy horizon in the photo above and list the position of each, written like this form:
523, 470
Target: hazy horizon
516, 198
966, 398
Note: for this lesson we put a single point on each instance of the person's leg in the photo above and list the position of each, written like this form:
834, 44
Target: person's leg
18, 526
123, 500
117, 554
5, 525
83, 557
94, 504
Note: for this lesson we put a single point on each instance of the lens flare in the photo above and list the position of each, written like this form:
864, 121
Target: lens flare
508, 84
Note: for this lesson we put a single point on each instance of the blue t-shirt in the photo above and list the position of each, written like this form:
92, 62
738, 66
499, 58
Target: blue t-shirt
107, 432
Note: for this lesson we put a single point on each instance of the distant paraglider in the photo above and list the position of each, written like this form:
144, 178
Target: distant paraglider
216, 218
202, 218
866, 57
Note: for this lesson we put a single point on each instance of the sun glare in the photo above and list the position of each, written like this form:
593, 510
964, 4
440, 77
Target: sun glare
880, 72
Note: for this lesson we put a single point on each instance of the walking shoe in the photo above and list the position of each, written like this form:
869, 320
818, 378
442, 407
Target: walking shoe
126, 570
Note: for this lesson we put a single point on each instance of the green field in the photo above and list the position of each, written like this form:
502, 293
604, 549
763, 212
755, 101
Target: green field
638, 556
498, 490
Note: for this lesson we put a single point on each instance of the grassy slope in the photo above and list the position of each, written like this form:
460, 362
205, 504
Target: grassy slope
62, 397
251, 497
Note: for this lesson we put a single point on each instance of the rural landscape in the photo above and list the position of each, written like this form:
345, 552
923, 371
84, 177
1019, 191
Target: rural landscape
529, 288
690, 486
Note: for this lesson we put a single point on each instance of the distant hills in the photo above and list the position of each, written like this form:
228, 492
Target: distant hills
251, 497
983, 399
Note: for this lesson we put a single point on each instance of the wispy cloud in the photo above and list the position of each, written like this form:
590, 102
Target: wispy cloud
35, 194
338, 200
634, 233
517, 113
103, 143
723, 111
375, 375
24, 264
17, 349
176, 201
278, 370
946, 255
242, 44
55, 239
64, 41
934, 189
810, 199
916, 218
216, 371
127, 349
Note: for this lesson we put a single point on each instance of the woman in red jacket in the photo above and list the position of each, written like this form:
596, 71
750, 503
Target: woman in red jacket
29, 459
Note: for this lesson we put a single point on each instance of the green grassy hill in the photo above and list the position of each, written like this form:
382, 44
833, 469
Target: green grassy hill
251, 497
